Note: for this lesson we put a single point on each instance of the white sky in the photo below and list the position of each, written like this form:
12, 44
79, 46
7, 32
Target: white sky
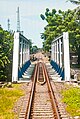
30, 10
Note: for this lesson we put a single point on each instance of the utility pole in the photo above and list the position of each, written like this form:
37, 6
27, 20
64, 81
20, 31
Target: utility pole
8, 25
18, 20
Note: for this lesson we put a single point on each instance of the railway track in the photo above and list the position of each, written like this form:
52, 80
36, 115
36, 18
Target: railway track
42, 103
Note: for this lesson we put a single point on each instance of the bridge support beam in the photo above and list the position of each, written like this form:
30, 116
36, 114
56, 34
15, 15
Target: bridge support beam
66, 56
15, 58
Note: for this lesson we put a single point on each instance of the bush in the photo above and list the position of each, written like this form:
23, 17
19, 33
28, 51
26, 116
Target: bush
6, 46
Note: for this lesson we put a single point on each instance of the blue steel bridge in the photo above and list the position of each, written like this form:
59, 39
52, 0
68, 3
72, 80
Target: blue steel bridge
60, 61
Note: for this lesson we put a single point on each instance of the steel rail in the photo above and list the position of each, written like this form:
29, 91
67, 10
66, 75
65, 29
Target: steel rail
51, 93
57, 115
27, 116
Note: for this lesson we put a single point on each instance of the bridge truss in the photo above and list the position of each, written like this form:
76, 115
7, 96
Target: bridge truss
21, 56
60, 59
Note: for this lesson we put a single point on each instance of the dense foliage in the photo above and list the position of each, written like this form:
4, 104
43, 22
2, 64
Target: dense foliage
34, 49
59, 22
6, 44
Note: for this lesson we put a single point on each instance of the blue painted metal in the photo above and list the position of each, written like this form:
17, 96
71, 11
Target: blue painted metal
62, 74
22, 70
58, 69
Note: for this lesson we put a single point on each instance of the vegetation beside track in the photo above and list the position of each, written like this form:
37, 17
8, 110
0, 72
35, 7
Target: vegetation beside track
8, 97
71, 97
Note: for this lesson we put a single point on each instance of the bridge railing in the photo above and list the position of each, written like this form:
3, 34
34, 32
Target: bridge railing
60, 58
21, 56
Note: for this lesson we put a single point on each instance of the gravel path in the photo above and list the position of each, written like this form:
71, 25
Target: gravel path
22, 103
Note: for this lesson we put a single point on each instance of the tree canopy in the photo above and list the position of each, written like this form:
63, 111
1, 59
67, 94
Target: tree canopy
59, 22
6, 44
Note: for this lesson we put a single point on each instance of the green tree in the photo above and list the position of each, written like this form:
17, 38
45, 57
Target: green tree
59, 22
34, 49
6, 44
77, 16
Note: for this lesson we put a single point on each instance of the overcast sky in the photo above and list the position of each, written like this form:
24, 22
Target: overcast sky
30, 10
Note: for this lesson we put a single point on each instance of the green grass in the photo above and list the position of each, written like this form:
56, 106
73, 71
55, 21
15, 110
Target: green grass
72, 99
8, 96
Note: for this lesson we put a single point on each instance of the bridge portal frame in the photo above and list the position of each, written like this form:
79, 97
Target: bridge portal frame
21, 54
60, 54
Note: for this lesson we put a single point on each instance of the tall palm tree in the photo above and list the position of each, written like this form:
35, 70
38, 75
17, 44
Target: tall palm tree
77, 10
77, 2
